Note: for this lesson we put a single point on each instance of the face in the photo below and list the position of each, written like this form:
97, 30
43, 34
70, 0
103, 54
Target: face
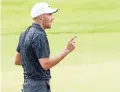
47, 20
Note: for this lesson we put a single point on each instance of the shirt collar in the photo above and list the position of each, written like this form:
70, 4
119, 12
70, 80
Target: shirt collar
38, 27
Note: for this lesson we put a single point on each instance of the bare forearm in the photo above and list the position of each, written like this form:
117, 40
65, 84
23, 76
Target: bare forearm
50, 62
55, 60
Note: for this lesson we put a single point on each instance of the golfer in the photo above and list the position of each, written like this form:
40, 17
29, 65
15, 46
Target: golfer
33, 51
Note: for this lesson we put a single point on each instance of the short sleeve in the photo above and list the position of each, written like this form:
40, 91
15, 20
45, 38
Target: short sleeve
40, 46
18, 46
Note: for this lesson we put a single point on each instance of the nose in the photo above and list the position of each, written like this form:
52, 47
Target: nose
52, 18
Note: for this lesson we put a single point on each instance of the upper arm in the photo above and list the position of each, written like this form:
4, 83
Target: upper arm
17, 59
17, 56
41, 49
44, 62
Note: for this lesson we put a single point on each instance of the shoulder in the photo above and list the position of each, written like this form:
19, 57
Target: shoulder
39, 37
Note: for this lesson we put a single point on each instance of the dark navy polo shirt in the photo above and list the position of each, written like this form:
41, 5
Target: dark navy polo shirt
33, 45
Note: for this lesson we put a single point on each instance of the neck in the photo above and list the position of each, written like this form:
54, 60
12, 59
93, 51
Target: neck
39, 24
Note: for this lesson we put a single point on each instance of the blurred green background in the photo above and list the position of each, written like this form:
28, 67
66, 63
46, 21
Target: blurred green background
94, 66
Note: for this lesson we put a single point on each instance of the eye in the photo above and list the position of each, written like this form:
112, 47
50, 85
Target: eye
50, 14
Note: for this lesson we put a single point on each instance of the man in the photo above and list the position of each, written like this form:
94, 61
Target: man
33, 50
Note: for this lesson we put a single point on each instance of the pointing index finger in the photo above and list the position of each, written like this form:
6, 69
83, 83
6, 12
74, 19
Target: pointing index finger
73, 38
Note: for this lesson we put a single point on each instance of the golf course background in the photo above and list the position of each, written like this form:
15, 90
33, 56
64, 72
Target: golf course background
94, 66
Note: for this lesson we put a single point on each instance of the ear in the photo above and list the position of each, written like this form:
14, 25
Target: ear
41, 17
